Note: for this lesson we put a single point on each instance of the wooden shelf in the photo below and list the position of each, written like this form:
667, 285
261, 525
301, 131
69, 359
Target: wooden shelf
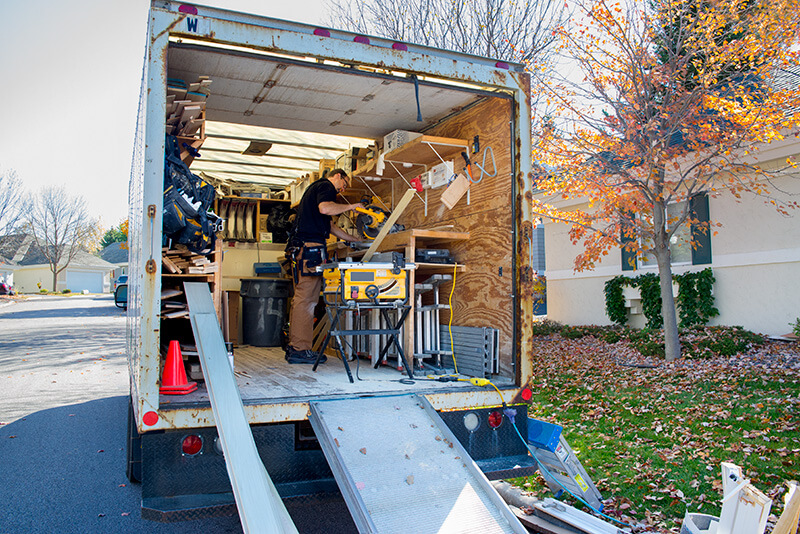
420, 235
444, 267
187, 275
424, 151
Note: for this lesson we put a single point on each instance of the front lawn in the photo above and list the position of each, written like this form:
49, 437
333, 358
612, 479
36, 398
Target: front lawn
652, 434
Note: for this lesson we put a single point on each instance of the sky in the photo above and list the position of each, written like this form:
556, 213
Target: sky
69, 91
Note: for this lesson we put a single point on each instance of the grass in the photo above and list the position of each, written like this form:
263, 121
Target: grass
652, 438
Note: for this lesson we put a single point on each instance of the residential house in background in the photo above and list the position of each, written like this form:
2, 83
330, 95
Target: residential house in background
32, 271
117, 254
754, 255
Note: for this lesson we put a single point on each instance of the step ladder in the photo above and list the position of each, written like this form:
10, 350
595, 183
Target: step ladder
260, 507
427, 340
559, 466
401, 469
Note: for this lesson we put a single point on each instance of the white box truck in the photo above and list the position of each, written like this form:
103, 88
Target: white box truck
274, 99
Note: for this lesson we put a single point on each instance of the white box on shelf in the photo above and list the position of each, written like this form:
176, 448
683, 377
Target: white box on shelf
397, 139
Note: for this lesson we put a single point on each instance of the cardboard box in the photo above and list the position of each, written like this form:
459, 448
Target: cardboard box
326, 165
397, 139
440, 175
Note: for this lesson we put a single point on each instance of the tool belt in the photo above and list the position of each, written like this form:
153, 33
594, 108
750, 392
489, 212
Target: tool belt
306, 258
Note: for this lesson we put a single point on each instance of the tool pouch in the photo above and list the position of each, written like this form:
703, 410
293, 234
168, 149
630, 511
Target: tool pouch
312, 257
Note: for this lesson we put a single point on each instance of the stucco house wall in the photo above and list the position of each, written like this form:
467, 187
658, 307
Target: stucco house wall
755, 259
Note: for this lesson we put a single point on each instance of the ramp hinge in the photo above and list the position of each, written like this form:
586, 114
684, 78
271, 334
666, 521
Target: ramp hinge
150, 266
151, 211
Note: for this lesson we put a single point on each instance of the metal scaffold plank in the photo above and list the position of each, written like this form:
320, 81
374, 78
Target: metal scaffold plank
260, 507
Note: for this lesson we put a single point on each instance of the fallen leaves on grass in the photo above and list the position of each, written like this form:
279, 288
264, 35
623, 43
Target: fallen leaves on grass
653, 434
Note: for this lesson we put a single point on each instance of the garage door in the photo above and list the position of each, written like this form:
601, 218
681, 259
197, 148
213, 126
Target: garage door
77, 281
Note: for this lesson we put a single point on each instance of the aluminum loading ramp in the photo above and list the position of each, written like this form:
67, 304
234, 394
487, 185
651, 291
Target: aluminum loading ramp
260, 507
401, 469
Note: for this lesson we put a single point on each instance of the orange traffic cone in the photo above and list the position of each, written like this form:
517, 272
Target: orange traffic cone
173, 380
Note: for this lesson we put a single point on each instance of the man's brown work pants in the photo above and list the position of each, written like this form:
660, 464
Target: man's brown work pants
301, 316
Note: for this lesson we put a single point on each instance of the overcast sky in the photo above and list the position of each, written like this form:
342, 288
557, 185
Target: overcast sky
70, 86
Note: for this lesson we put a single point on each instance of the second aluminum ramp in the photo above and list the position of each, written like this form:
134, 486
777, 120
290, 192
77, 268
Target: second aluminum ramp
401, 469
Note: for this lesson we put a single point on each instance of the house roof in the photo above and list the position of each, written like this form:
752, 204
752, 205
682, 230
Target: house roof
115, 252
22, 249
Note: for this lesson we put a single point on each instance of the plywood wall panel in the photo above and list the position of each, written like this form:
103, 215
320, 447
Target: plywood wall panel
482, 296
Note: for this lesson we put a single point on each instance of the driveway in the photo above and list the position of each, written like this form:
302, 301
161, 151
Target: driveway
63, 409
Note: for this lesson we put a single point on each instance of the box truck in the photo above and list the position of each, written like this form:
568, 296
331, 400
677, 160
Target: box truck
254, 106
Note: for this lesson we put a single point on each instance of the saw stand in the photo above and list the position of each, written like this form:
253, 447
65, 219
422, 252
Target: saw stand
337, 304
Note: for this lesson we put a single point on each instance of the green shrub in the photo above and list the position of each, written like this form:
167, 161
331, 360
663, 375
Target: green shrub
42, 291
710, 341
612, 335
66, 291
572, 332
796, 327
545, 328
615, 302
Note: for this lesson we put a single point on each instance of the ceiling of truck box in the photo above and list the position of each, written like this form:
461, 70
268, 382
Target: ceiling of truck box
308, 111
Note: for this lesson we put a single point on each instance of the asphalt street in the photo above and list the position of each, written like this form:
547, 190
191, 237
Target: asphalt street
63, 409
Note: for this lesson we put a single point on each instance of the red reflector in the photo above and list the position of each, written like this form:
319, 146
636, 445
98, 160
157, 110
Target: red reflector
361, 39
400, 46
527, 394
192, 445
185, 8
495, 419
502, 65
322, 32
150, 418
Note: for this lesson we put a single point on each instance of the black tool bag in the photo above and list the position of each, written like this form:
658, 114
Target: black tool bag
187, 199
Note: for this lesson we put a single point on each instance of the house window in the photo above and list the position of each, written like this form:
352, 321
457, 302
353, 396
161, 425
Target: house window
680, 246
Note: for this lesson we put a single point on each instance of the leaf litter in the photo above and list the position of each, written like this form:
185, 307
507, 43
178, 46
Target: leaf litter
652, 434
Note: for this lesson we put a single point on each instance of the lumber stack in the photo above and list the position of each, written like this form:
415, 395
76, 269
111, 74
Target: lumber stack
181, 260
186, 104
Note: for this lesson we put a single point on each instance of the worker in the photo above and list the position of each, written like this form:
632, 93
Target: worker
313, 225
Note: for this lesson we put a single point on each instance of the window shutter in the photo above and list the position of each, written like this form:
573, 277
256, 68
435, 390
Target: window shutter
628, 256
701, 231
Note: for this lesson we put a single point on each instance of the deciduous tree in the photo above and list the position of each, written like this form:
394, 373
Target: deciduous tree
504, 29
12, 201
669, 100
61, 227
115, 234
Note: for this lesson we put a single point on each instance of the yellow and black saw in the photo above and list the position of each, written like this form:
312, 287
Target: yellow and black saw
370, 221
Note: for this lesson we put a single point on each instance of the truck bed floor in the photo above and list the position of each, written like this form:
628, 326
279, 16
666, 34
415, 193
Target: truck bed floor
263, 376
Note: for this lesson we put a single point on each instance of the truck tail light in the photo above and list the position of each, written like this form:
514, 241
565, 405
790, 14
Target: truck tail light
192, 445
527, 394
495, 419
186, 8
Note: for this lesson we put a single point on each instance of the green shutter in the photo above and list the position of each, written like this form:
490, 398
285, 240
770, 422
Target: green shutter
628, 256
701, 231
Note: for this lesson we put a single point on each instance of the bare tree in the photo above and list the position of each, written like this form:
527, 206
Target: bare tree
61, 227
12, 201
514, 30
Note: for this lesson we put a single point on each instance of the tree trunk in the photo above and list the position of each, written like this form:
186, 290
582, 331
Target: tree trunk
55, 280
672, 344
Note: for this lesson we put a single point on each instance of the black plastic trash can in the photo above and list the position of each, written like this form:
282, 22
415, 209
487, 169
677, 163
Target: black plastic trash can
264, 311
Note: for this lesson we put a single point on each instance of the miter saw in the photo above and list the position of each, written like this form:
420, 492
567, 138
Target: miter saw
371, 218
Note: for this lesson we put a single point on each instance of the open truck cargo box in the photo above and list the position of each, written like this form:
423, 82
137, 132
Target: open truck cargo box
299, 97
